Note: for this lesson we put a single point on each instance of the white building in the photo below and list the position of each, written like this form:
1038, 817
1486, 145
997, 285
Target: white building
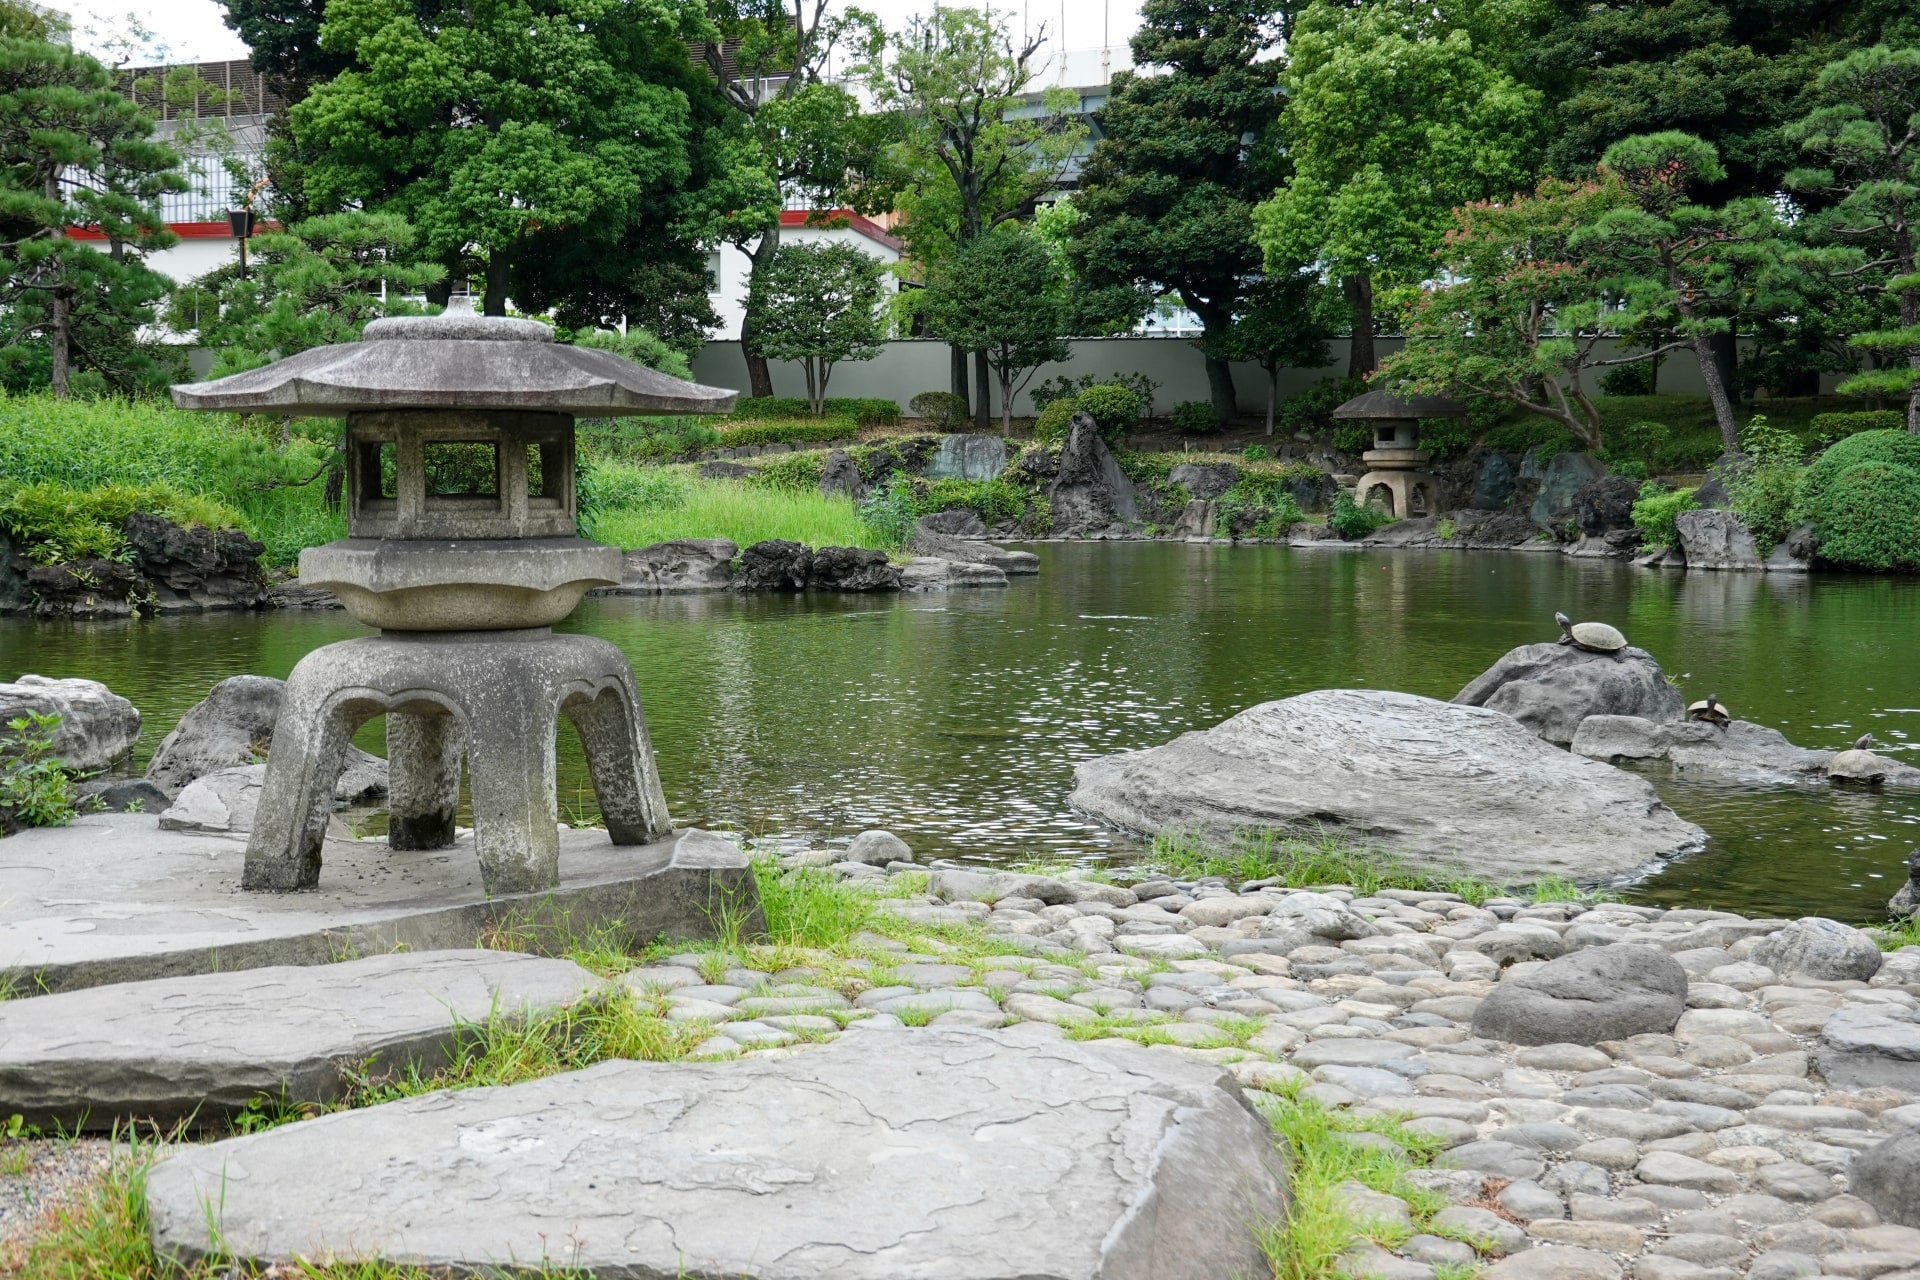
728, 266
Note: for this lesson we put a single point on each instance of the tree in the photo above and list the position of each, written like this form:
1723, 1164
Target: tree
1393, 118
1677, 267
573, 137
315, 283
1284, 322
1865, 134
1520, 314
75, 153
965, 161
1003, 295
1167, 197
818, 304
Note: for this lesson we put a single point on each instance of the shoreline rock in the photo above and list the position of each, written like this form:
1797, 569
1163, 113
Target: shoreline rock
1552, 688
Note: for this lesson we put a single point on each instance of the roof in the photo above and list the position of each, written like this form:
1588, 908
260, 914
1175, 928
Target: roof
456, 360
1382, 404
829, 219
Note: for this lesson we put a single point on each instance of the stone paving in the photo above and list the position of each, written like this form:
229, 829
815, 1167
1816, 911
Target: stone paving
1710, 1150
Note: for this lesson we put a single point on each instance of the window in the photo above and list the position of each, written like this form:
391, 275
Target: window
462, 469
713, 272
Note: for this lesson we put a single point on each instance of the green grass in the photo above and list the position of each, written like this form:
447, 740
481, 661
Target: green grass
1303, 861
649, 505
1317, 1229
1904, 933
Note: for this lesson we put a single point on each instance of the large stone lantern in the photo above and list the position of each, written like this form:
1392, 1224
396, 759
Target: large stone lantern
462, 549
1398, 477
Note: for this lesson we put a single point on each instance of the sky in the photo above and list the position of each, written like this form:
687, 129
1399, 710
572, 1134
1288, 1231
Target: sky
192, 30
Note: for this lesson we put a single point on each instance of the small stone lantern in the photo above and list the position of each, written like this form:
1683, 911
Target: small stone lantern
1398, 474
462, 549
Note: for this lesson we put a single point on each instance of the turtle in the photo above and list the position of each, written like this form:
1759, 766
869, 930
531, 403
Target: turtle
1711, 710
1594, 637
1857, 764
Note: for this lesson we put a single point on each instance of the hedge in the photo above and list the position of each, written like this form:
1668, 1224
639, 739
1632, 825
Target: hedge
866, 412
1863, 496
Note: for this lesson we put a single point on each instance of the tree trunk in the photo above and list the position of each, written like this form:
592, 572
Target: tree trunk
1359, 294
61, 340
1220, 389
1273, 393
1726, 355
1717, 393
1006, 400
983, 411
496, 303
759, 372
957, 370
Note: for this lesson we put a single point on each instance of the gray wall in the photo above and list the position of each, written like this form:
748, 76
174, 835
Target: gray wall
905, 368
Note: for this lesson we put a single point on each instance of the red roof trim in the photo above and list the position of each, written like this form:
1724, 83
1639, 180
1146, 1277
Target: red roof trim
847, 217
185, 230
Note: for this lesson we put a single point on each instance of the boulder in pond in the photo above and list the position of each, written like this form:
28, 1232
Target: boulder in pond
1739, 751
684, 564
1605, 505
97, 725
1906, 899
1711, 538
191, 568
1560, 478
1444, 785
1493, 483
773, 565
944, 1152
1551, 688
1090, 492
851, 569
224, 801
233, 727
1590, 995
957, 523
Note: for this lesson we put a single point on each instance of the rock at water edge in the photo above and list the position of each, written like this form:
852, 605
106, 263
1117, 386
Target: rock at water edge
206, 1046
97, 725
1551, 688
686, 564
1711, 538
941, 1153
1599, 993
1447, 786
232, 727
1816, 947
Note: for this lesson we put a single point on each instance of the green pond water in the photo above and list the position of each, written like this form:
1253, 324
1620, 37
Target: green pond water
955, 719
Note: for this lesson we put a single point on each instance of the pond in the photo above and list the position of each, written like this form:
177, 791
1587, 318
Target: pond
955, 719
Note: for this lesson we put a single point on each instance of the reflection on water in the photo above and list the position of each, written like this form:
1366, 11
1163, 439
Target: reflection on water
956, 719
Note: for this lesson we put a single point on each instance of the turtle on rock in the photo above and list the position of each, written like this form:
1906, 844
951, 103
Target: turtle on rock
1594, 637
1711, 710
1858, 764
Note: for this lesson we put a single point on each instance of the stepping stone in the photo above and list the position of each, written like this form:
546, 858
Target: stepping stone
206, 1046
1864, 1046
962, 1154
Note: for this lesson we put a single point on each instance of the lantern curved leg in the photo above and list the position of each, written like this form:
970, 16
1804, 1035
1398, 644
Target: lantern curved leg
613, 732
310, 741
424, 747
511, 782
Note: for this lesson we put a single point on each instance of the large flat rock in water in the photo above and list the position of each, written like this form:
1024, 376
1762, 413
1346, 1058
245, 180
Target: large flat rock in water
208, 1045
1445, 785
943, 1154
113, 898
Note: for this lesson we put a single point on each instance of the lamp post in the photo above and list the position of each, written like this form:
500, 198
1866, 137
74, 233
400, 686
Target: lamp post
240, 222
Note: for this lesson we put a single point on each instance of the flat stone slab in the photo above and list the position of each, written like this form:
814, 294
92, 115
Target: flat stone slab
113, 898
938, 1154
1867, 1046
206, 1046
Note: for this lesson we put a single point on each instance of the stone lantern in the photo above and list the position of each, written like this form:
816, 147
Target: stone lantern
462, 549
1398, 463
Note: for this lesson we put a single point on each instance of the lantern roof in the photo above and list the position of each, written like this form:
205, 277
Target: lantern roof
456, 360
1383, 404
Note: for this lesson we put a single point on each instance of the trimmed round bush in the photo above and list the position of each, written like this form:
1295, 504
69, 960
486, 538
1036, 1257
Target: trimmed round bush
1053, 420
1195, 417
1869, 517
943, 409
1113, 407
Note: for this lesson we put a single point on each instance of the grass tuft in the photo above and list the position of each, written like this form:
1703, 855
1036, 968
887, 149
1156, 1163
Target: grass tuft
646, 505
1901, 933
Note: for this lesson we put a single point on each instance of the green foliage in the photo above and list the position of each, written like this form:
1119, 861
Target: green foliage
36, 790
641, 347
1053, 420
809, 907
1352, 521
734, 434
56, 524
1529, 433
818, 304
1255, 453
1002, 294
1048, 390
639, 506
791, 472
991, 500
943, 409
1195, 417
1863, 496
1765, 489
1311, 410
1628, 380
1828, 427
1654, 510
1259, 505
1446, 437
1112, 406
866, 411
889, 511
1902, 933
640, 440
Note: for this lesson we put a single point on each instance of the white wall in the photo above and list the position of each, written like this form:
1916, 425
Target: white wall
905, 368
731, 266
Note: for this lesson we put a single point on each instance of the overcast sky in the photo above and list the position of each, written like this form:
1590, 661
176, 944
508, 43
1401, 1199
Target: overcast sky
192, 30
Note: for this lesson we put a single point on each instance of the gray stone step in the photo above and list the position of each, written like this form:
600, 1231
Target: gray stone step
966, 1155
206, 1046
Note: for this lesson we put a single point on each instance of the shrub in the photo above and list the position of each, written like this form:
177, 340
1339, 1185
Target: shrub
790, 472
1628, 380
1194, 418
867, 412
36, 790
1312, 410
1828, 427
1114, 408
54, 523
734, 435
1352, 521
1258, 506
644, 439
1255, 453
1053, 420
1764, 491
1445, 437
889, 512
640, 346
1863, 495
1048, 390
1654, 510
991, 500
945, 410
1549, 438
